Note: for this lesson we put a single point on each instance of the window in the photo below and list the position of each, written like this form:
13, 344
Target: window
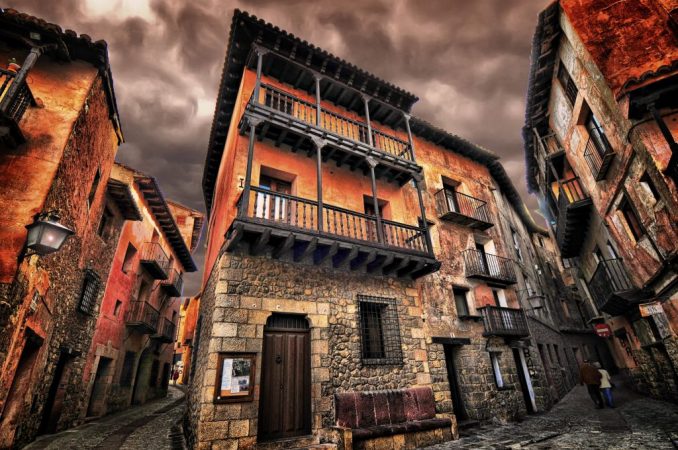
611, 250
647, 184
379, 331
568, 84
128, 369
106, 224
129, 258
496, 369
597, 135
516, 244
93, 189
631, 218
116, 308
89, 293
461, 302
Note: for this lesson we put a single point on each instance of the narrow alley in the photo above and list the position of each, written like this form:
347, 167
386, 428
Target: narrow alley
152, 426
636, 423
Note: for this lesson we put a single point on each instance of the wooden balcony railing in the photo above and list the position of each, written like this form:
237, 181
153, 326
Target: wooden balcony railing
550, 144
166, 331
142, 315
173, 286
155, 260
609, 280
488, 267
333, 122
598, 154
294, 212
462, 208
507, 322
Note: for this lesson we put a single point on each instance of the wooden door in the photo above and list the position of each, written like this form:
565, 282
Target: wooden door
285, 403
453, 380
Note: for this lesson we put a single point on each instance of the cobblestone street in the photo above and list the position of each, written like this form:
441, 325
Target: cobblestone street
636, 423
146, 427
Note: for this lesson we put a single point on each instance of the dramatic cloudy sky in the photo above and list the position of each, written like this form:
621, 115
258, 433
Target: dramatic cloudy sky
467, 60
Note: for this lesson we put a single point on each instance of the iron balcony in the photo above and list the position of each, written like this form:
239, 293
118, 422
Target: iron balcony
573, 215
462, 209
290, 121
155, 260
611, 288
505, 322
174, 284
143, 317
14, 100
289, 226
166, 331
598, 154
488, 267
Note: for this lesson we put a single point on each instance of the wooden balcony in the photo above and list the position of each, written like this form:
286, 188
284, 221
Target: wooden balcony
462, 209
611, 288
598, 155
142, 317
291, 122
573, 216
505, 322
155, 260
488, 267
293, 227
14, 100
174, 284
166, 331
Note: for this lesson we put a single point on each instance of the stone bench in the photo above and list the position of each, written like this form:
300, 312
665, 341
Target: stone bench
404, 418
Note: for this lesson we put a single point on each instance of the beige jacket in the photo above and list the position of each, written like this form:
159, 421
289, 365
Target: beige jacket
604, 379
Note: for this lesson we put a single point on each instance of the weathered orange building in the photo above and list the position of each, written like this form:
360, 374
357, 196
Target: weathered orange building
184, 346
130, 358
600, 142
59, 133
363, 268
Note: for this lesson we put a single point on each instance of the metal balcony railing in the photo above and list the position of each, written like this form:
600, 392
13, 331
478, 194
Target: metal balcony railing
598, 154
142, 315
166, 331
490, 267
174, 284
609, 280
507, 322
333, 122
462, 208
155, 260
14, 100
290, 211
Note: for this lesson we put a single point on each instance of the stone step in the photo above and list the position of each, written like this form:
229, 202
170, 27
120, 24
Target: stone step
301, 442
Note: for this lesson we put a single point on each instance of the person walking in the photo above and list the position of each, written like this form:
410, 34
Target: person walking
590, 376
605, 384
175, 376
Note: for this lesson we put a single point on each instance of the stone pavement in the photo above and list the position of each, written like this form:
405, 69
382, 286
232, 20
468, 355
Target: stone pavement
146, 427
637, 423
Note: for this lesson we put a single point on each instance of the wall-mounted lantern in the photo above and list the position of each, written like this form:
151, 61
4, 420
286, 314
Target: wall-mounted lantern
46, 235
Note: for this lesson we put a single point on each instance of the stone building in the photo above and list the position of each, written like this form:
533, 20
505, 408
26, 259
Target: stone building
59, 134
600, 147
359, 260
131, 355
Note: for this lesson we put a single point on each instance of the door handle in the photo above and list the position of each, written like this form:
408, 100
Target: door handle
278, 359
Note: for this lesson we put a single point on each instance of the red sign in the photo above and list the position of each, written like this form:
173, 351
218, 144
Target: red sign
603, 330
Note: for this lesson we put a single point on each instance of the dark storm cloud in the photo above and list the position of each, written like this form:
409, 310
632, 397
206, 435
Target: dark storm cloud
466, 60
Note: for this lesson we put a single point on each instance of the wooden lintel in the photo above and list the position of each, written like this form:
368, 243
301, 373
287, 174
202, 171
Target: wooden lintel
306, 251
261, 242
264, 130
284, 246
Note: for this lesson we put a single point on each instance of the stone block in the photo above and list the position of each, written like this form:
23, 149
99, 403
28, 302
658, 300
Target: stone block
227, 411
225, 444
247, 443
234, 315
258, 317
250, 303
323, 308
224, 329
423, 379
233, 344
226, 301
318, 320
417, 333
247, 331
322, 374
319, 347
420, 355
239, 428
210, 431
221, 288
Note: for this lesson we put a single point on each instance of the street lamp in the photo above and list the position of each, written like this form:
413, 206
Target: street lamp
46, 235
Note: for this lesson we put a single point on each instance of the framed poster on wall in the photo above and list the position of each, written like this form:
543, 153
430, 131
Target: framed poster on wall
235, 377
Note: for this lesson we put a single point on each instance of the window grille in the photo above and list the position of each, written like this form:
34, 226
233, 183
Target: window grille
568, 84
379, 331
90, 292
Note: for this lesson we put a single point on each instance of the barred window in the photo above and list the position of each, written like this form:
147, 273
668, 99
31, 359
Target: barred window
89, 293
567, 83
379, 331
